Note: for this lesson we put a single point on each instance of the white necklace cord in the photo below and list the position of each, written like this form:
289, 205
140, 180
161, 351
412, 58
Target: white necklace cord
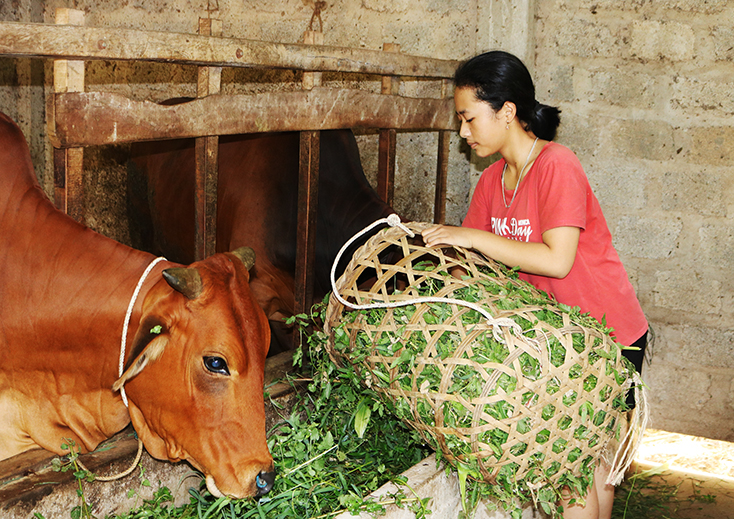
519, 178
394, 221
127, 322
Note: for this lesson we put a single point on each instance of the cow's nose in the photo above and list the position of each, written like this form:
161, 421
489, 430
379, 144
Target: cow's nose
264, 482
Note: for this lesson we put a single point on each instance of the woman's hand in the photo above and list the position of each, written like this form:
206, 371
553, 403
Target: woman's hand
448, 235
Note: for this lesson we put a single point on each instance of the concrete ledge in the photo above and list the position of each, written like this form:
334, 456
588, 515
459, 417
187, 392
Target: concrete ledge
427, 479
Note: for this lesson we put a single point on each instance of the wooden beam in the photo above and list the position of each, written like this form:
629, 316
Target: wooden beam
386, 153
77, 43
442, 166
68, 163
98, 118
308, 194
312, 79
388, 139
207, 159
308, 197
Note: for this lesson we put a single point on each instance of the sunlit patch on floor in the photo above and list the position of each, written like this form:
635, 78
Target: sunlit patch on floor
700, 472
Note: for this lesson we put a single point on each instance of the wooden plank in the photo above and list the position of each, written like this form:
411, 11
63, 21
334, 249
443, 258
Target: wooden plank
209, 82
33, 470
98, 118
50, 41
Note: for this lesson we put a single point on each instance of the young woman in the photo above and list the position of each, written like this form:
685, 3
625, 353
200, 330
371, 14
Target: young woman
534, 209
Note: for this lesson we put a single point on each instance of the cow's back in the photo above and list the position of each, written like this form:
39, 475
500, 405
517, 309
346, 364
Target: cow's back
258, 205
52, 286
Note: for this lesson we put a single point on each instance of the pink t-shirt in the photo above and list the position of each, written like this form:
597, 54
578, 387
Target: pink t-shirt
556, 193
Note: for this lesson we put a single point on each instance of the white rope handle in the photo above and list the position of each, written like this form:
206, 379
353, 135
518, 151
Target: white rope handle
127, 321
394, 221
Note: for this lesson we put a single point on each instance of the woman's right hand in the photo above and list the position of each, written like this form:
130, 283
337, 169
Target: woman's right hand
448, 235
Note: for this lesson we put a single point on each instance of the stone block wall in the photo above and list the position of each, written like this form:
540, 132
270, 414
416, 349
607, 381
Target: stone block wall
645, 88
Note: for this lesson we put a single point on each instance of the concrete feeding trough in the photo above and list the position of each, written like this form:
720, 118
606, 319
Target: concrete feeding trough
428, 479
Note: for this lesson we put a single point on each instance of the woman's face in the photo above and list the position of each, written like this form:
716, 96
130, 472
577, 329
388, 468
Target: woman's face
482, 127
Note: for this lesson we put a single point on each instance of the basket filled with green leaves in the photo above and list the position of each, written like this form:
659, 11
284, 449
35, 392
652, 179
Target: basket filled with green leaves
506, 384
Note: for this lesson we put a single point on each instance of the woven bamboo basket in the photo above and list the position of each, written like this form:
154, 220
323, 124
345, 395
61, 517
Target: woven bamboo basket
492, 372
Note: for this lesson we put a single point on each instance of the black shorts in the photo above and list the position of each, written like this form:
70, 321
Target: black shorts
636, 357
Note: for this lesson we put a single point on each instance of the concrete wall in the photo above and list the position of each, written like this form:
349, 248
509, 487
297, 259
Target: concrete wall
645, 91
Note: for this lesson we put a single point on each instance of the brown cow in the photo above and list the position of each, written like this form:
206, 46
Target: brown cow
197, 342
258, 206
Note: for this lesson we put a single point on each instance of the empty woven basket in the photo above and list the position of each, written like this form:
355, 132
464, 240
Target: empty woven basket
492, 372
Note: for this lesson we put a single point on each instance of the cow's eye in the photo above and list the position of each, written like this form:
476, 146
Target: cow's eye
216, 365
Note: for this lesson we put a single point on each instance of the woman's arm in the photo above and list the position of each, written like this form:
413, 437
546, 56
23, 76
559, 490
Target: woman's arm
553, 257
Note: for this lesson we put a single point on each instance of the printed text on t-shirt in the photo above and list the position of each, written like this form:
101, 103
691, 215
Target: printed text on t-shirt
515, 229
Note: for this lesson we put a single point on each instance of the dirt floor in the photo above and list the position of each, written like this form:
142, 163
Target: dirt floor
698, 467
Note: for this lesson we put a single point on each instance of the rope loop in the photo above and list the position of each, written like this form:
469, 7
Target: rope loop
121, 364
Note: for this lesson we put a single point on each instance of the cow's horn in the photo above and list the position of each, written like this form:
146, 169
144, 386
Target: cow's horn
246, 255
184, 280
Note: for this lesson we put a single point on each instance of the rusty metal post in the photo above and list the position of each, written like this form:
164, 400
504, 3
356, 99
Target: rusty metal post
387, 142
442, 166
68, 163
207, 158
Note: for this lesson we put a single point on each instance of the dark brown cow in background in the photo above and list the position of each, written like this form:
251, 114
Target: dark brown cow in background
257, 206
197, 342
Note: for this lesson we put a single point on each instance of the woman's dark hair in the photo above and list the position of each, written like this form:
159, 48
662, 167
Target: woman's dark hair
497, 77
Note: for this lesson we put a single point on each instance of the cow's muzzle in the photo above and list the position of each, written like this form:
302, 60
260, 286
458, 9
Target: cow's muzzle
264, 482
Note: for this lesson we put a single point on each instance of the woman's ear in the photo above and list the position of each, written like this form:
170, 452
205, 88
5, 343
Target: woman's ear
508, 111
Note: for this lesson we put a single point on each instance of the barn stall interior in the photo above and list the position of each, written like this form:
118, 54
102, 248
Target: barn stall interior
641, 170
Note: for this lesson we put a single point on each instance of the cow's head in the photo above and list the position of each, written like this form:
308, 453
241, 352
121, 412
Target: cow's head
194, 378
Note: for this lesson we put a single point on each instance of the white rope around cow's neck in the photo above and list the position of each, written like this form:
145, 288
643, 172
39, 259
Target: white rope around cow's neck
129, 312
394, 221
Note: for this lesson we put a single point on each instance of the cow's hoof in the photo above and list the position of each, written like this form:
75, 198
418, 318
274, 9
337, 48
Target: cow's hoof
264, 482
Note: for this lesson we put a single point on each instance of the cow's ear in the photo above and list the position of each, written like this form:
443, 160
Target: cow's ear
246, 255
184, 280
148, 345
150, 353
